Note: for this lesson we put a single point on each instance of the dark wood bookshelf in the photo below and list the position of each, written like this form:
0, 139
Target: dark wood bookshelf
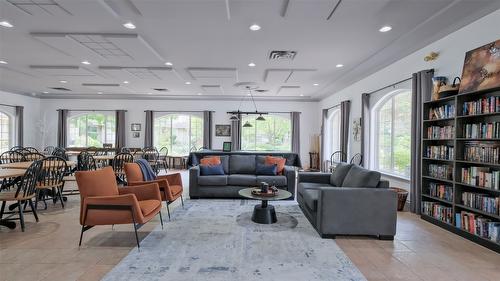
458, 163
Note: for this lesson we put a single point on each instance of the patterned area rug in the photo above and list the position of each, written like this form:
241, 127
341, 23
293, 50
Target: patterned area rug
216, 240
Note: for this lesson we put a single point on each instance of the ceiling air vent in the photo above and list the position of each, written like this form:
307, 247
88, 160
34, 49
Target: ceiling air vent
160, 89
282, 55
60, 89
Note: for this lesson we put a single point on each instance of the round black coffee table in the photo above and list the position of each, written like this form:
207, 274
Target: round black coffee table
264, 213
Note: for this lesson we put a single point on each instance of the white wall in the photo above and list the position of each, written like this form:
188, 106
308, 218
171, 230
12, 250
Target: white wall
31, 114
451, 48
135, 114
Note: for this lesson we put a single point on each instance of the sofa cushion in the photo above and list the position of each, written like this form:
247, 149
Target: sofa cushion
279, 181
224, 159
212, 180
242, 164
242, 180
210, 160
266, 170
211, 170
338, 175
360, 177
310, 197
279, 161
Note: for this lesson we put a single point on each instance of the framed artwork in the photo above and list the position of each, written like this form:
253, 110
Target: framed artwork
481, 68
135, 127
222, 130
136, 135
226, 146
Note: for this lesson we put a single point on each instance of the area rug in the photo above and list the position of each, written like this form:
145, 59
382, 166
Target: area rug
216, 240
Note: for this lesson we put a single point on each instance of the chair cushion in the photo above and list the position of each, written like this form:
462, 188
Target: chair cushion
242, 164
212, 180
148, 206
133, 172
211, 170
176, 189
97, 183
266, 170
280, 161
242, 180
210, 160
338, 175
310, 197
272, 180
360, 177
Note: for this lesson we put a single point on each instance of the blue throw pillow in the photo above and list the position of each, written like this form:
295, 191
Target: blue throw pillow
267, 170
211, 170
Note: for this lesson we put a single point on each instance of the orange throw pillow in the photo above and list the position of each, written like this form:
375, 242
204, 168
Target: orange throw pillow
210, 160
279, 161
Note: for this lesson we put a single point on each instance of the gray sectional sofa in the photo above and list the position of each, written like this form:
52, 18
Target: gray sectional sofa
239, 173
350, 201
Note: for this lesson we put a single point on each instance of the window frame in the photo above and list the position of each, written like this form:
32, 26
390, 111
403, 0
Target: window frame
281, 115
11, 134
158, 115
75, 114
375, 124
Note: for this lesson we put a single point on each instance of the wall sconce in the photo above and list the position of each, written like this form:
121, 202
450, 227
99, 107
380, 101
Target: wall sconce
431, 56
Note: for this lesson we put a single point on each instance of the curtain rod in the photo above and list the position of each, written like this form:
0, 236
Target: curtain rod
175, 111
337, 105
388, 86
9, 105
91, 110
263, 112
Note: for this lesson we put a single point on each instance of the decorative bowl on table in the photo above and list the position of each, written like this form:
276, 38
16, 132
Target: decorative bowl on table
270, 193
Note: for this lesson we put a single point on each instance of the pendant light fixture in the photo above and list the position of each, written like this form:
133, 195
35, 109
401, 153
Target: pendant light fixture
247, 125
235, 115
260, 118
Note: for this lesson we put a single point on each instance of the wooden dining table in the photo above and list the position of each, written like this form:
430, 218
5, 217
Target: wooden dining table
11, 173
26, 164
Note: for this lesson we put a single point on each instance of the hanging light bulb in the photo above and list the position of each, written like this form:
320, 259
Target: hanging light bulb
260, 118
247, 125
234, 117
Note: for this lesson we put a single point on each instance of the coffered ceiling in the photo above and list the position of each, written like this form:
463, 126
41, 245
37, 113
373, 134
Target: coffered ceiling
210, 46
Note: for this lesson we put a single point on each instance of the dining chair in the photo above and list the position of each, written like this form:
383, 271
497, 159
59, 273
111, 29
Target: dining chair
48, 150
33, 156
152, 155
85, 162
51, 179
103, 203
170, 186
31, 149
336, 158
357, 159
23, 195
60, 152
119, 162
11, 157
163, 158
16, 147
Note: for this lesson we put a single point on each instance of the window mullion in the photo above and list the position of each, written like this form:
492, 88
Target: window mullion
393, 117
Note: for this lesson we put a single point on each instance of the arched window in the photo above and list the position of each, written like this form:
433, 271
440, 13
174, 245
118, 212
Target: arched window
91, 129
332, 132
178, 132
272, 134
391, 120
5, 132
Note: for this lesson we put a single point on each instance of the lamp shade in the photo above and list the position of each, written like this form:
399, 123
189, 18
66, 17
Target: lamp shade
247, 125
260, 118
234, 117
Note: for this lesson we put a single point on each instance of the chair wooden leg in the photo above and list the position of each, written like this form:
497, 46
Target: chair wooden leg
33, 209
2, 209
168, 212
21, 216
59, 194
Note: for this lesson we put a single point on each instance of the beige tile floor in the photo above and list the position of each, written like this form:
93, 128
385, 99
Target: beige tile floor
48, 250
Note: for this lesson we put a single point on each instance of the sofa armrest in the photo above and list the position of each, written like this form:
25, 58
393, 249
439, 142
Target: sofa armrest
314, 177
354, 210
194, 173
290, 172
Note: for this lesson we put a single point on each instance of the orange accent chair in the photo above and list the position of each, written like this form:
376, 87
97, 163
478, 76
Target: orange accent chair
103, 203
170, 185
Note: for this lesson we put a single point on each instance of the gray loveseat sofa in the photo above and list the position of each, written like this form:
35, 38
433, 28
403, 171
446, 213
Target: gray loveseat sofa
239, 173
350, 201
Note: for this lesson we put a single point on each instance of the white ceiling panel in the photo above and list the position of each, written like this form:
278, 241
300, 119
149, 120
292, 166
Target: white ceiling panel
289, 91
62, 71
212, 89
213, 73
301, 76
276, 75
106, 88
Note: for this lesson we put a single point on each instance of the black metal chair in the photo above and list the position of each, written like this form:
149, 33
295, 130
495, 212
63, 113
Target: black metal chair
33, 156
60, 152
125, 150
119, 165
85, 162
11, 157
163, 158
16, 147
31, 149
24, 194
48, 150
336, 158
357, 159
51, 177
152, 156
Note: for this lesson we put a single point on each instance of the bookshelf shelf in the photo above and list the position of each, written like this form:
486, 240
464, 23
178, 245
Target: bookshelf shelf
464, 148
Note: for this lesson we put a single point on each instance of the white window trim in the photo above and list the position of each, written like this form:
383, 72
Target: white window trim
74, 113
157, 115
12, 127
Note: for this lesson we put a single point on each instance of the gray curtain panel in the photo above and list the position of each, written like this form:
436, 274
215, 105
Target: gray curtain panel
421, 92
62, 129
345, 108
120, 134
295, 132
365, 128
324, 114
148, 129
207, 129
20, 125
236, 134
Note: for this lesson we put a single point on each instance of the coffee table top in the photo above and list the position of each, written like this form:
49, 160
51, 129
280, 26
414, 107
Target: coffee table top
247, 193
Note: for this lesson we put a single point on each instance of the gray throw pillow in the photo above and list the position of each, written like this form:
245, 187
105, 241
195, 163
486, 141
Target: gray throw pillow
360, 177
339, 174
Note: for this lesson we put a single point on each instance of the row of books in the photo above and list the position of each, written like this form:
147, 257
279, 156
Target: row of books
441, 171
482, 130
482, 153
442, 191
444, 152
442, 112
440, 132
483, 202
478, 225
482, 106
481, 176
437, 211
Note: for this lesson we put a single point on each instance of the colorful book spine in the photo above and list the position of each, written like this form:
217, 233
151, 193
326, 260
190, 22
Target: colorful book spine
481, 202
481, 106
441, 171
442, 152
440, 132
442, 112
441, 191
478, 225
482, 153
438, 211
481, 176
482, 130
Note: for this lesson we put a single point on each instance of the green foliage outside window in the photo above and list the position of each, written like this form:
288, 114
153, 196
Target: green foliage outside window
178, 132
91, 129
272, 134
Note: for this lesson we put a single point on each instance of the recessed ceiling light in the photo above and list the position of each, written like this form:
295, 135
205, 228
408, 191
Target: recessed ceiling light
45, 92
6, 24
301, 95
125, 82
315, 84
99, 93
129, 25
150, 93
248, 94
251, 64
385, 28
86, 62
63, 81
199, 94
339, 65
254, 27
33, 94
3, 62
187, 83
168, 63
